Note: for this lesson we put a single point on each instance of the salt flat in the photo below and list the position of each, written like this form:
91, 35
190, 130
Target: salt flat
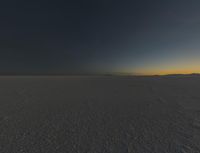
105, 114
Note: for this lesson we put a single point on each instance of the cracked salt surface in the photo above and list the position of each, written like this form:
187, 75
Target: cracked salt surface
99, 115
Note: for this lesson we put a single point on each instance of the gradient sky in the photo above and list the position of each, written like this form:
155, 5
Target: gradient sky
99, 36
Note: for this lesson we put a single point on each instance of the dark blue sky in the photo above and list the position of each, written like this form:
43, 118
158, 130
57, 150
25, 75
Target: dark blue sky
105, 36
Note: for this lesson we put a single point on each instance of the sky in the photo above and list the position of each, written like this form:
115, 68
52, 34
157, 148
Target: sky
99, 36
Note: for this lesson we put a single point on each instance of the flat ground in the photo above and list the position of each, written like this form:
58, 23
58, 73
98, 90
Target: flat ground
100, 114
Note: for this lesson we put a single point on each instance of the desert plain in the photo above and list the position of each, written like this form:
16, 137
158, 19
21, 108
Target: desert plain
100, 114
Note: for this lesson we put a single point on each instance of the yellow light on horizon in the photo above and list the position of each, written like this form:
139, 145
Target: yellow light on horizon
189, 66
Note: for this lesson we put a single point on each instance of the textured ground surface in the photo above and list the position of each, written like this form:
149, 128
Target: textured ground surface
100, 114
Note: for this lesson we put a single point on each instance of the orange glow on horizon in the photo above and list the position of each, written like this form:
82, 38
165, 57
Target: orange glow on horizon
166, 71
184, 64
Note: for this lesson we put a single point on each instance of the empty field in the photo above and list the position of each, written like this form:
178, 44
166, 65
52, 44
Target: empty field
100, 114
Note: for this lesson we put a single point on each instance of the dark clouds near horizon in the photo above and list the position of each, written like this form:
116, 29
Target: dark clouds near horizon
86, 36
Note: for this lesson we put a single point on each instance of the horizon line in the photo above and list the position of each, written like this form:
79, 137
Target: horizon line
106, 74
